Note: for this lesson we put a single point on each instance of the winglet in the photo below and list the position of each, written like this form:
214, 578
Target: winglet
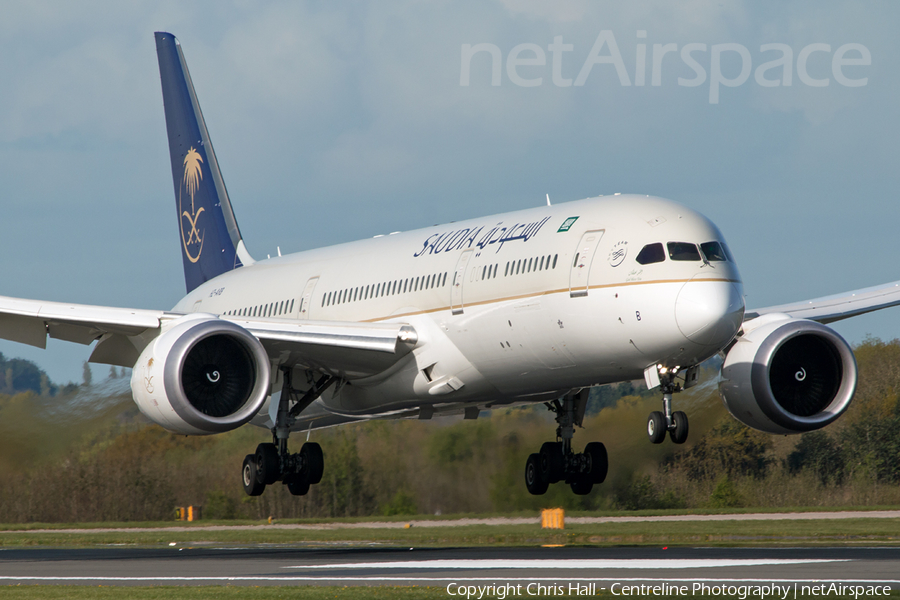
211, 242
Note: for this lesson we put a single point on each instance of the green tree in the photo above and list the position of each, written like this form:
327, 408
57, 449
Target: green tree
818, 452
731, 448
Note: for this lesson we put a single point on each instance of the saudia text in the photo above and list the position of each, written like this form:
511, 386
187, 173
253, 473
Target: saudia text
500, 234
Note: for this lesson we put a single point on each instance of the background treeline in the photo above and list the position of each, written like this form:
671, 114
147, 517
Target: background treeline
83, 453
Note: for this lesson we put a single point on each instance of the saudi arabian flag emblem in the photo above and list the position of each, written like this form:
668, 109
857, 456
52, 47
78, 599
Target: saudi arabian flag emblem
567, 224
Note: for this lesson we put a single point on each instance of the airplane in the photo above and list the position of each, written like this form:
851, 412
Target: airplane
527, 307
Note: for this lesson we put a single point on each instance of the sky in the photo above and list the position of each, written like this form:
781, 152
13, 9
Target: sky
339, 121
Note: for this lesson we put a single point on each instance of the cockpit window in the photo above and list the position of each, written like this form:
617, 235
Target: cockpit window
713, 251
683, 251
727, 252
651, 253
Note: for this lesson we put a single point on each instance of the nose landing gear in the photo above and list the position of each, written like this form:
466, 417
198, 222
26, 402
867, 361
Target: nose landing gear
557, 462
666, 421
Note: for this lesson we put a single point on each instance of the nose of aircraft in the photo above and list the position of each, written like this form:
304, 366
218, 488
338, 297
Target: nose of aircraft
709, 312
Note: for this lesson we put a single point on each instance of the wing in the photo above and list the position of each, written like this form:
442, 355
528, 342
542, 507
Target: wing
32, 321
348, 349
828, 309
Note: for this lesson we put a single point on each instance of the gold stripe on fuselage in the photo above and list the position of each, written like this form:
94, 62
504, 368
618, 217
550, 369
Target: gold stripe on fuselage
545, 293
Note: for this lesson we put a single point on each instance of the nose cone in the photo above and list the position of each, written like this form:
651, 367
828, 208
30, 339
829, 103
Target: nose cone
709, 312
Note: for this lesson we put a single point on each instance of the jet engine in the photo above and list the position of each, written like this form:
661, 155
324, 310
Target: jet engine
787, 375
201, 375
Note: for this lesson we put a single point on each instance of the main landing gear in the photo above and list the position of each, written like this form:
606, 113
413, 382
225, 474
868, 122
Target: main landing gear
272, 462
675, 423
556, 461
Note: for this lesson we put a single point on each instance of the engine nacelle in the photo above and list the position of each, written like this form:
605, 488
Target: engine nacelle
788, 375
201, 375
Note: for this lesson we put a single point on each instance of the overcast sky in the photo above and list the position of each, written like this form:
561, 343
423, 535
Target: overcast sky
336, 121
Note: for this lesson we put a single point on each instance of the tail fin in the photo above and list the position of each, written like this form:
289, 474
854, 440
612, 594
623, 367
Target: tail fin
211, 242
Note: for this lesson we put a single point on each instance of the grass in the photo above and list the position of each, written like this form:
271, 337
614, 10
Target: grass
726, 533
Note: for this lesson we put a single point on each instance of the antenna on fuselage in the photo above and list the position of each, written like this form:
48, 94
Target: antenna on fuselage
548, 200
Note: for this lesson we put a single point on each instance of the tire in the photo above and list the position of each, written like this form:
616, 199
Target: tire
267, 463
679, 435
582, 486
599, 462
656, 427
553, 463
534, 478
313, 461
298, 485
250, 478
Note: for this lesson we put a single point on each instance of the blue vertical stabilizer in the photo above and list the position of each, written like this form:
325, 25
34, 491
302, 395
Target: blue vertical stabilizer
210, 239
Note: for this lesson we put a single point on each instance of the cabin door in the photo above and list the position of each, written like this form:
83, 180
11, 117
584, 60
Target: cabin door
306, 298
456, 290
581, 265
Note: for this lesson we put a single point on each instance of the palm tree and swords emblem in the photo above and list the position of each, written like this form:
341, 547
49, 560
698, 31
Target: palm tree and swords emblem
191, 181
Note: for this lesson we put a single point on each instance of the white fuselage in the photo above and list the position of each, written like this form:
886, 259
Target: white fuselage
509, 308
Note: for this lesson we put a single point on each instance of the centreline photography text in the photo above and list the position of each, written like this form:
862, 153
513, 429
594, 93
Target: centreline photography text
742, 591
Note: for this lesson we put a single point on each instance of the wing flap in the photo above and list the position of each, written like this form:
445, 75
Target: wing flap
829, 309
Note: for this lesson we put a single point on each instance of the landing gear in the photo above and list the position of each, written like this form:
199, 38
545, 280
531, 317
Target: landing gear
250, 477
557, 462
535, 481
272, 462
674, 423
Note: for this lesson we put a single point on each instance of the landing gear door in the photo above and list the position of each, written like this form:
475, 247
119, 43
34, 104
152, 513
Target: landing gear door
306, 298
456, 290
581, 265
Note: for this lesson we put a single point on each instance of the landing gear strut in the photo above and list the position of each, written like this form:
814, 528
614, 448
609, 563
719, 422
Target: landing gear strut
557, 462
272, 462
675, 423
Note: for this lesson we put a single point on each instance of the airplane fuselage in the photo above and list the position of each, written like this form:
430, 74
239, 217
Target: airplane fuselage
549, 299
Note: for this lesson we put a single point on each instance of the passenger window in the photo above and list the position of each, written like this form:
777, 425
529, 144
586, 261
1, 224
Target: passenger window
683, 251
713, 251
651, 253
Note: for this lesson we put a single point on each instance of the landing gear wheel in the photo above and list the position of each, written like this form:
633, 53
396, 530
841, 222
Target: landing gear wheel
267, 463
534, 478
679, 434
313, 461
553, 463
250, 478
582, 486
656, 427
298, 485
599, 462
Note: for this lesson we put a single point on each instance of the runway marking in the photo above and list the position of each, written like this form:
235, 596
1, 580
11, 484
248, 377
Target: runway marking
677, 563
300, 578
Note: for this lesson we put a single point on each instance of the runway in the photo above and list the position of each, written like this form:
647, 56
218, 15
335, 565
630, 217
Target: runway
563, 567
